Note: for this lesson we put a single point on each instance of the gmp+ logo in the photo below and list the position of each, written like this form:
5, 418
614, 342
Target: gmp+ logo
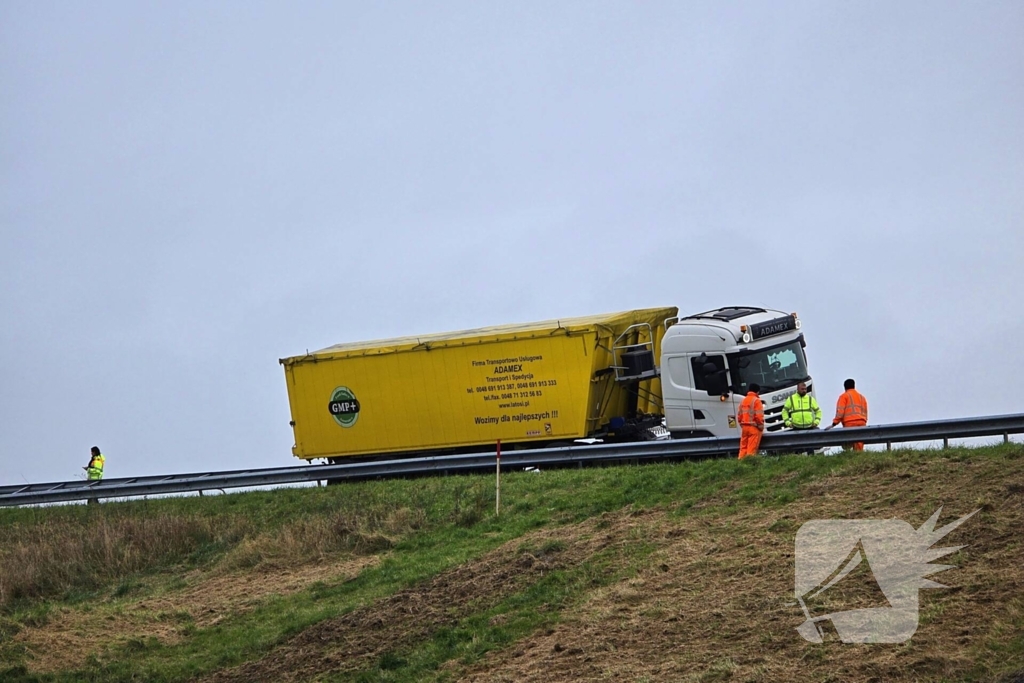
344, 406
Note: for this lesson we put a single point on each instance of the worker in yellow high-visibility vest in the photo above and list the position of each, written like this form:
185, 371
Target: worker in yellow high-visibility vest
94, 470
801, 410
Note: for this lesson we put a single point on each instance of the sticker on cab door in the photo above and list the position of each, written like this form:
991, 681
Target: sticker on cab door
732, 422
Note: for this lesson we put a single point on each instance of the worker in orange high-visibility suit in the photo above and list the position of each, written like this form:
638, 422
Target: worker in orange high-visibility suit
751, 419
851, 410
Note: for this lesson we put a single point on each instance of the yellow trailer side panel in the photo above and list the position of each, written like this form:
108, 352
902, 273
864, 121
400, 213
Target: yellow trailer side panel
516, 391
515, 383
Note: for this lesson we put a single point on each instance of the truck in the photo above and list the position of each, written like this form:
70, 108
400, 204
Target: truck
634, 375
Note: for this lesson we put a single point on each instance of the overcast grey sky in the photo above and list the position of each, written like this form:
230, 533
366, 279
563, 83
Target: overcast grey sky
191, 190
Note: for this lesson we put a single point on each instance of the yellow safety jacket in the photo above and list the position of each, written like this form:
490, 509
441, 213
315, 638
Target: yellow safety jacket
801, 412
95, 468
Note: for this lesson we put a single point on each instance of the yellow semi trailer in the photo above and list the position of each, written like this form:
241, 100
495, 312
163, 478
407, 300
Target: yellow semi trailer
533, 383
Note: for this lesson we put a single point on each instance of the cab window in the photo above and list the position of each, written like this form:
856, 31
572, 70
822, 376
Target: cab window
702, 367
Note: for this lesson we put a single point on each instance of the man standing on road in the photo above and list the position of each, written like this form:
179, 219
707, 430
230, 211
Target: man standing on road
751, 419
801, 410
851, 410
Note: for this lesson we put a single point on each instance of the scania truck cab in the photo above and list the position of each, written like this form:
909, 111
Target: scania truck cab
709, 361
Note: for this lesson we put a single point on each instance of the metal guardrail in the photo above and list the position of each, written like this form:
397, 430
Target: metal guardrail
79, 484
55, 492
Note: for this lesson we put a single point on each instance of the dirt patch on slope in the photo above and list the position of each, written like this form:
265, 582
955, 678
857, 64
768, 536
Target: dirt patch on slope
68, 639
355, 640
716, 601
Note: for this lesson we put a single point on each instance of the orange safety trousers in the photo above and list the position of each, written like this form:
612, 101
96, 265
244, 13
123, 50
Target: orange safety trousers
857, 445
750, 441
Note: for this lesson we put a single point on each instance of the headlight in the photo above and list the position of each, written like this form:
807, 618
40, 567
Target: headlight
746, 337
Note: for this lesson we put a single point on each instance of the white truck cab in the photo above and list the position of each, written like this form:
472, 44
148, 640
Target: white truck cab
709, 360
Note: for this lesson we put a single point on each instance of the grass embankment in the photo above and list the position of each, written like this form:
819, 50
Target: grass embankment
669, 572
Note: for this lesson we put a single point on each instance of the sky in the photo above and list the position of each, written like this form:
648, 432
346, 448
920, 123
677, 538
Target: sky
190, 191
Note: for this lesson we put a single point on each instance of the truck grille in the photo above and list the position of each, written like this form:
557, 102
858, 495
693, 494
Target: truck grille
773, 419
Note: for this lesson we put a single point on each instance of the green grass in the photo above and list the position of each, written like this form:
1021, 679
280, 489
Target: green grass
426, 525
471, 638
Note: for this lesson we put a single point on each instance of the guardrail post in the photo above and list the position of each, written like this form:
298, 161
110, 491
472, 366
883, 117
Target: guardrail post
945, 444
888, 445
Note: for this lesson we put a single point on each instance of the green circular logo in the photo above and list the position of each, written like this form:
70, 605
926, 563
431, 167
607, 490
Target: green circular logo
344, 407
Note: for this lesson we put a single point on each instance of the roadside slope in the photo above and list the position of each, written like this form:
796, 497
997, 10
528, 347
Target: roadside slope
663, 572
716, 601
713, 599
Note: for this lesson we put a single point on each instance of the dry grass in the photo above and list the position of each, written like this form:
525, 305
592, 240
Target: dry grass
56, 557
315, 538
70, 636
257, 565
355, 640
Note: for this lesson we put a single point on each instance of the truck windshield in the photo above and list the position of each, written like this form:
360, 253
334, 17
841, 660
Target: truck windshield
776, 368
